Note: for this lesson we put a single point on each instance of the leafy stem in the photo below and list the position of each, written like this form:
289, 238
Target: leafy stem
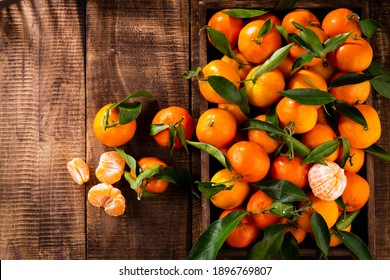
127, 112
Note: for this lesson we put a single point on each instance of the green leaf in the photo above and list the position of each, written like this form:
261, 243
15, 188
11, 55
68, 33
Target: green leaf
210, 189
284, 5
322, 151
129, 112
321, 232
301, 61
244, 106
350, 112
157, 128
378, 151
290, 247
297, 40
308, 96
226, 89
269, 246
350, 79
369, 27
382, 83
182, 135
345, 220
272, 118
262, 125
172, 135
211, 240
146, 174
283, 31
346, 151
376, 69
265, 28
127, 115
273, 61
341, 203
282, 191
310, 38
130, 161
284, 210
213, 151
244, 13
296, 147
189, 74
355, 244
177, 175
334, 42
220, 42
129, 178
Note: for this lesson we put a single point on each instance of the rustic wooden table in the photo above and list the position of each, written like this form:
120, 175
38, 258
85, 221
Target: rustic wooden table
60, 61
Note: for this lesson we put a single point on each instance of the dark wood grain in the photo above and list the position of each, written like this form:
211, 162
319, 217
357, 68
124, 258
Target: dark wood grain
134, 45
42, 127
379, 239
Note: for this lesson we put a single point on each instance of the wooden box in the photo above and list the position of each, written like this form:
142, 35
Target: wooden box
364, 225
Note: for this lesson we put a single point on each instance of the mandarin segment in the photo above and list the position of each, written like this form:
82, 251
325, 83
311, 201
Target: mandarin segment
327, 182
79, 170
110, 198
111, 167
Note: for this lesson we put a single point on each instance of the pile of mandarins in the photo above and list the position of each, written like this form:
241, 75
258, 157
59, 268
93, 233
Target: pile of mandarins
287, 117
308, 66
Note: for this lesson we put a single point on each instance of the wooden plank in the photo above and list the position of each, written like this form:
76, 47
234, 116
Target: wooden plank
379, 213
41, 128
200, 207
134, 45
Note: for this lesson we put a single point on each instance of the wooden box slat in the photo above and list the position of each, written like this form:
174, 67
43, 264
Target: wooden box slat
42, 99
134, 45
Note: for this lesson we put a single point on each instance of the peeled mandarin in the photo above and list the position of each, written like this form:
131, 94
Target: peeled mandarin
110, 198
79, 170
111, 167
327, 181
